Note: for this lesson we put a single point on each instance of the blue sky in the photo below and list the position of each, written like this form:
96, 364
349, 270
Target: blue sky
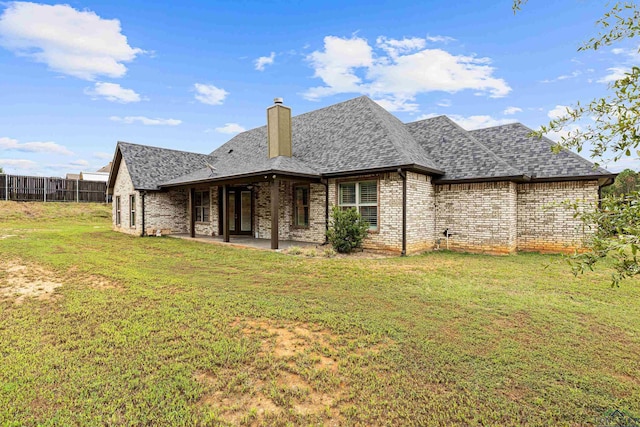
77, 77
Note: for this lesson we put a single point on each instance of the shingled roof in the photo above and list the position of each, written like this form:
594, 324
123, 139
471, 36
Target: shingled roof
461, 155
150, 166
359, 136
350, 136
532, 156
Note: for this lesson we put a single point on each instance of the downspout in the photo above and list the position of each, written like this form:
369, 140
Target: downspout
403, 175
326, 209
142, 194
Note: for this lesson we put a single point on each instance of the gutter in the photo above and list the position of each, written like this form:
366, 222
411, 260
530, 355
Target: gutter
403, 175
326, 209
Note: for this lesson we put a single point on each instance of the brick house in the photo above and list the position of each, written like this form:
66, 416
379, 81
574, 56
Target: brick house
492, 190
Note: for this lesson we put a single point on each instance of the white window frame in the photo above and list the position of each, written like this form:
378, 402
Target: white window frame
118, 211
132, 210
206, 204
358, 204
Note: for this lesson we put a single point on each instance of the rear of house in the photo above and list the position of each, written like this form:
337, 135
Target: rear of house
420, 186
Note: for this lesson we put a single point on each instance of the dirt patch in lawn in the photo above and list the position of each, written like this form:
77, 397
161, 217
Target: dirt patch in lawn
295, 374
20, 280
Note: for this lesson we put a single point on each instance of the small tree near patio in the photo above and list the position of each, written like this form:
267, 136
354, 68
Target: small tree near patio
347, 229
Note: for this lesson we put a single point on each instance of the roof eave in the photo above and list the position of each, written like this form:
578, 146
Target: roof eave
411, 167
514, 178
276, 172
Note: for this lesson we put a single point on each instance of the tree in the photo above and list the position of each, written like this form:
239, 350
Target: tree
626, 183
1, 170
347, 229
609, 125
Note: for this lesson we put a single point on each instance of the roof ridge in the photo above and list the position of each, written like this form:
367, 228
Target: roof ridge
159, 148
499, 126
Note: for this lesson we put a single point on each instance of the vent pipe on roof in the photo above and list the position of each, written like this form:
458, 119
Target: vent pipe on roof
279, 129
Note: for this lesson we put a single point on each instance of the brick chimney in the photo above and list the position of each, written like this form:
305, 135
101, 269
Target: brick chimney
279, 129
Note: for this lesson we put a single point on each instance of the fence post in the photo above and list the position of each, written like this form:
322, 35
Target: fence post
77, 191
44, 188
6, 187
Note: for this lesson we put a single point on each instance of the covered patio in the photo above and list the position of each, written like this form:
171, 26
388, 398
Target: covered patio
246, 241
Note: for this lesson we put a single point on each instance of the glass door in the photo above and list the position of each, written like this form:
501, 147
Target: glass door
240, 201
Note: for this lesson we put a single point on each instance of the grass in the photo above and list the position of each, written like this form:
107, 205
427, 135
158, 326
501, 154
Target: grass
162, 331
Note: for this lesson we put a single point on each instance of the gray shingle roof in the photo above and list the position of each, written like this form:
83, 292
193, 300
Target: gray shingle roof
461, 155
532, 155
149, 166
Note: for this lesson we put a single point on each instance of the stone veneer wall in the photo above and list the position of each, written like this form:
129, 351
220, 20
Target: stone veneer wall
544, 224
123, 187
421, 213
481, 216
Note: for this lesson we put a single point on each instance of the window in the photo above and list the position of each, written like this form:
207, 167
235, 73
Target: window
118, 216
301, 206
132, 214
364, 197
201, 203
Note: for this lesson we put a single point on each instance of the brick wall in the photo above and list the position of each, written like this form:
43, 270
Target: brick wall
544, 224
421, 213
481, 216
167, 211
287, 231
123, 188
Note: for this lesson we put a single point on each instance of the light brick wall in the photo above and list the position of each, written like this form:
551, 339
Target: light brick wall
317, 223
482, 216
123, 188
388, 237
544, 224
421, 213
167, 211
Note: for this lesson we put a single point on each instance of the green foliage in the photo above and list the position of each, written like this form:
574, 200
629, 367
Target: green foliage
616, 237
157, 332
1, 170
626, 182
609, 126
347, 229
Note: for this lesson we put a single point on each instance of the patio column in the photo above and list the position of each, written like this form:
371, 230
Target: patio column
192, 204
225, 213
275, 210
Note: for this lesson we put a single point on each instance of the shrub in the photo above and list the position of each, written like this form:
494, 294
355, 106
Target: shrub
347, 229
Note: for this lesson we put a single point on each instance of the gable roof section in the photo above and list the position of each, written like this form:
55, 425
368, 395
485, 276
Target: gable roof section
150, 166
533, 156
458, 152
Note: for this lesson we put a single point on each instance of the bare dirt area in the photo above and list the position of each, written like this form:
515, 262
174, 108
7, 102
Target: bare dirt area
297, 372
20, 280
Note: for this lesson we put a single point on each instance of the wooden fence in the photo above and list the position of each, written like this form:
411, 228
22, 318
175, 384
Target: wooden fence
41, 189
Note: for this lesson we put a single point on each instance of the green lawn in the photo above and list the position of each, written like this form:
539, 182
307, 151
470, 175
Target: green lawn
162, 331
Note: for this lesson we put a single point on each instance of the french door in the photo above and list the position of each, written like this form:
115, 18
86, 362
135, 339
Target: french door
240, 202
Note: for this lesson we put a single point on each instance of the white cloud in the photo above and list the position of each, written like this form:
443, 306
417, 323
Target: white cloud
444, 103
571, 75
623, 163
440, 39
17, 164
479, 122
615, 73
558, 111
397, 71
69, 41
33, 147
263, 61
145, 121
511, 110
230, 128
427, 116
209, 94
79, 162
564, 133
113, 92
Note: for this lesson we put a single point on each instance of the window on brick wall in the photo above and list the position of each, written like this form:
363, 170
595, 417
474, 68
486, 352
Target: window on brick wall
132, 211
202, 206
301, 205
364, 197
118, 211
